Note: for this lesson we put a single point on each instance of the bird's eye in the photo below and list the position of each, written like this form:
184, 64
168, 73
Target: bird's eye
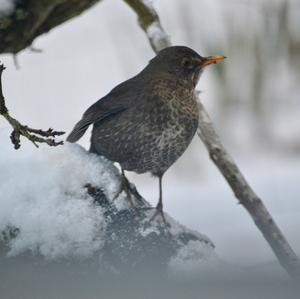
186, 63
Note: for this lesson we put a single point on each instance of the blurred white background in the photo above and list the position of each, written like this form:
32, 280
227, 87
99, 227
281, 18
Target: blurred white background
253, 98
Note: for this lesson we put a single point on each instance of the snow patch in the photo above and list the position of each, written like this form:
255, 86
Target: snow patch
157, 36
42, 194
6, 7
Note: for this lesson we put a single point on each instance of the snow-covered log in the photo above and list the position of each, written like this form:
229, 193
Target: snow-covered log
57, 204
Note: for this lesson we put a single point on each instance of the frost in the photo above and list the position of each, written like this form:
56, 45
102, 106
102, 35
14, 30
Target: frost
42, 195
6, 7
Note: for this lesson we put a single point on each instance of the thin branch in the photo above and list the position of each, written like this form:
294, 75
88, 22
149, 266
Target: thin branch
34, 135
246, 196
158, 39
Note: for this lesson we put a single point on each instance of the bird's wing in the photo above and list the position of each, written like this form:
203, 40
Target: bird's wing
117, 101
91, 118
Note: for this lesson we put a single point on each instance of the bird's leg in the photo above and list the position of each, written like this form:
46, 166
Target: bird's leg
159, 208
132, 189
124, 186
129, 190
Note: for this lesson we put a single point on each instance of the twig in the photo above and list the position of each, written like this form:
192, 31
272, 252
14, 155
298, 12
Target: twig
34, 135
148, 20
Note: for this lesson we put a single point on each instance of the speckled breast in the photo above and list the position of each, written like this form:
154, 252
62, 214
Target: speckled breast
149, 138
164, 135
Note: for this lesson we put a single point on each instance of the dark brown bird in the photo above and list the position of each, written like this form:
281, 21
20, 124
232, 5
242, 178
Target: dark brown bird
147, 122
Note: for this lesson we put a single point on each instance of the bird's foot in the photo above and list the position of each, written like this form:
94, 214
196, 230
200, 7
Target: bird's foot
124, 186
159, 212
130, 192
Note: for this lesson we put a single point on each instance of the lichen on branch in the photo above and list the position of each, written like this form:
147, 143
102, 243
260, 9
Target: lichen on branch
34, 135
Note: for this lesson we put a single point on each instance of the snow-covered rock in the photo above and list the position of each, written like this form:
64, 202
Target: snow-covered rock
57, 203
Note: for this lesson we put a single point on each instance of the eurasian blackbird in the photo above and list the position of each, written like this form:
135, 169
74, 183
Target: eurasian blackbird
147, 122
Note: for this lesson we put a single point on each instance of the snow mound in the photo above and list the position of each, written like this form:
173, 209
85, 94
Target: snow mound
42, 195
57, 202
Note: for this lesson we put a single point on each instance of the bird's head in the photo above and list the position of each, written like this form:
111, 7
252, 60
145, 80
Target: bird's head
183, 63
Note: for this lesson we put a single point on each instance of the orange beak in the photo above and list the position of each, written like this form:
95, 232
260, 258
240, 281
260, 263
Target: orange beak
212, 59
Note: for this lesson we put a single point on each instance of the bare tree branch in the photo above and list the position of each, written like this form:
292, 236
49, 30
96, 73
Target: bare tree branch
34, 135
32, 18
150, 23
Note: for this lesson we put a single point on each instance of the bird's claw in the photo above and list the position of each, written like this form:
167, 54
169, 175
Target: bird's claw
159, 212
130, 192
124, 186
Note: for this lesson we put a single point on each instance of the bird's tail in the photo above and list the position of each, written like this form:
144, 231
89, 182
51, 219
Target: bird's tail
78, 131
